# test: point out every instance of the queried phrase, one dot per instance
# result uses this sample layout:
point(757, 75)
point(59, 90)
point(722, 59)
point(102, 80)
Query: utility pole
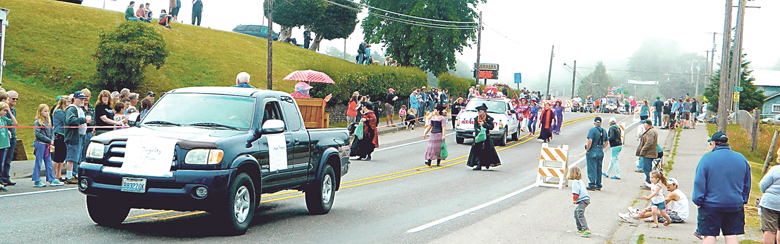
point(270, 38)
point(712, 59)
point(549, 72)
point(345, 49)
point(707, 70)
point(736, 55)
point(3, 24)
point(724, 101)
point(479, 46)
point(573, 78)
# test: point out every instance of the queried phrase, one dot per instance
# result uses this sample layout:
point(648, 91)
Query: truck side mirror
point(271, 126)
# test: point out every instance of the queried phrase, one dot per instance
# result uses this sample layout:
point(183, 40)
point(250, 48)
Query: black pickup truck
point(215, 149)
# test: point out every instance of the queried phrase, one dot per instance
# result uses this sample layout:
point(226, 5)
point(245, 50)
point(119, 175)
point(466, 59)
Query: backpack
point(614, 130)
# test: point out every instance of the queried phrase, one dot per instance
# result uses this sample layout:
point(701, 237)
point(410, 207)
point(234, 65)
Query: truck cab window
point(272, 111)
point(291, 111)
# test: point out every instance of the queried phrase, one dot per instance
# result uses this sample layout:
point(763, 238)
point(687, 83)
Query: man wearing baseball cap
point(77, 121)
point(647, 150)
point(720, 189)
point(597, 141)
point(390, 107)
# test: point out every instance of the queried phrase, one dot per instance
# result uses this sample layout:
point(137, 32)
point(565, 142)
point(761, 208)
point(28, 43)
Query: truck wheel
point(106, 212)
point(459, 140)
point(237, 213)
point(502, 141)
point(320, 195)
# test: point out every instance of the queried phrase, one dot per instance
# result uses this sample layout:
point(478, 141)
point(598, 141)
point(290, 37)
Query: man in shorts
point(676, 207)
point(720, 190)
point(77, 121)
point(390, 107)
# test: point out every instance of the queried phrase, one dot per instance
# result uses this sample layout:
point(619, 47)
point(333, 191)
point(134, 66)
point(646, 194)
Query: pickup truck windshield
point(218, 111)
point(497, 107)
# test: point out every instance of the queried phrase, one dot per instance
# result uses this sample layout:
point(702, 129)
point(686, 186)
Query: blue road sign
point(518, 78)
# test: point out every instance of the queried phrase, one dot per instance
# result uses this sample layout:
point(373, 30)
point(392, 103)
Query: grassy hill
point(46, 36)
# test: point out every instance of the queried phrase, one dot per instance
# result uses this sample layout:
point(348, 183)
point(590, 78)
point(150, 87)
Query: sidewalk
point(532, 220)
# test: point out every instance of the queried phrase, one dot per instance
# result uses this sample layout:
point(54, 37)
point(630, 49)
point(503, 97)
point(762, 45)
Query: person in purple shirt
point(558, 112)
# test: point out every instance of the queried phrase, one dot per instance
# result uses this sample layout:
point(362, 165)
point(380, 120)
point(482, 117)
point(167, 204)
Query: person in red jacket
point(370, 139)
point(352, 107)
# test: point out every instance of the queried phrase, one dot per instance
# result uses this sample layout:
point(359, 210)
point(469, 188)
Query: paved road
point(380, 201)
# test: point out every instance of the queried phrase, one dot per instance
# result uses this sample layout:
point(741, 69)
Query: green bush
point(370, 80)
point(124, 53)
point(458, 87)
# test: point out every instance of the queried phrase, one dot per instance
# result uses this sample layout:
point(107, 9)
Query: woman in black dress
point(483, 154)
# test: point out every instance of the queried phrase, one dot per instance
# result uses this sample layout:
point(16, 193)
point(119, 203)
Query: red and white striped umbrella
point(309, 76)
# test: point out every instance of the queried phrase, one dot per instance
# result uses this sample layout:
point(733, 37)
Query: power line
point(496, 31)
point(406, 21)
point(414, 17)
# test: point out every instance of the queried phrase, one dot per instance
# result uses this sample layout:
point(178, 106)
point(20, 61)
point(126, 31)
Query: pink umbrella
point(309, 76)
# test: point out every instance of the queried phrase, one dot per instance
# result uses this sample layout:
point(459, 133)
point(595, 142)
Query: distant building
point(768, 81)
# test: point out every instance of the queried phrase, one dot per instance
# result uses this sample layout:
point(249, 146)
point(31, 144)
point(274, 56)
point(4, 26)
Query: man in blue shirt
point(659, 107)
point(720, 190)
point(242, 80)
point(597, 141)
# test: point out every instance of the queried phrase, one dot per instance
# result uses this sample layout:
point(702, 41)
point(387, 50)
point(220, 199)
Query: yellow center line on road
point(151, 214)
point(370, 180)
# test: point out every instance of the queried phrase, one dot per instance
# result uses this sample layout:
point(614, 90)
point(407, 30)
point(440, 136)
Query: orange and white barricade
point(567, 105)
point(553, 166)
point(622, 126)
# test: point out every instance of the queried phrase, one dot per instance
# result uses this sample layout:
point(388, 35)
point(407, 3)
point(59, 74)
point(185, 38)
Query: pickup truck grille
point(116, 153)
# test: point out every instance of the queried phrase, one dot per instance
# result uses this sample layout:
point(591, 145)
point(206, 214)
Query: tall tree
point(749, 98)
point(597, 83)
point(337, 21)
point(294, 13)
point(430, 49)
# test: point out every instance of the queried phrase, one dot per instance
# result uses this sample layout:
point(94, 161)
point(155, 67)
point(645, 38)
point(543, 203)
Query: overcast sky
point(588, 31)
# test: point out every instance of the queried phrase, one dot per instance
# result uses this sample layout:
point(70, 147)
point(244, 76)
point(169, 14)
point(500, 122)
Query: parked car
point(775, 120)
point(215, 149)
point(255, 30)
point(504, 119)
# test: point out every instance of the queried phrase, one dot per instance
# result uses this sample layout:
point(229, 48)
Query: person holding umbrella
point(483, 153)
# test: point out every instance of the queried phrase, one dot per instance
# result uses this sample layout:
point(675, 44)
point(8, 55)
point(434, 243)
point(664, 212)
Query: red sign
point(488, 74)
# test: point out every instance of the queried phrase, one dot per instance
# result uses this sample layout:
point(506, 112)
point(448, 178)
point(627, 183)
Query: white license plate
point(137, 185)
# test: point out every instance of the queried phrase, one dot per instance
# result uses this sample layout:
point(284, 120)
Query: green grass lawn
point(46, 37)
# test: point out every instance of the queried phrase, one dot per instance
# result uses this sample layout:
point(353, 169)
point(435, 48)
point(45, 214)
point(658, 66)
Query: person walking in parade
point(533, 115)
point(546, 121)
point(580, 198)
point(483, 153)
point(523, 110)
point(456, 107)
point(647, 150)
point(597, 141)
point(370, 139)
point(616, 143)
point(437, 130)
point(558, 112)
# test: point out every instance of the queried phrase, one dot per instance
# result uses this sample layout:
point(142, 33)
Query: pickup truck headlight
point(95, 150)
point(204, 156)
